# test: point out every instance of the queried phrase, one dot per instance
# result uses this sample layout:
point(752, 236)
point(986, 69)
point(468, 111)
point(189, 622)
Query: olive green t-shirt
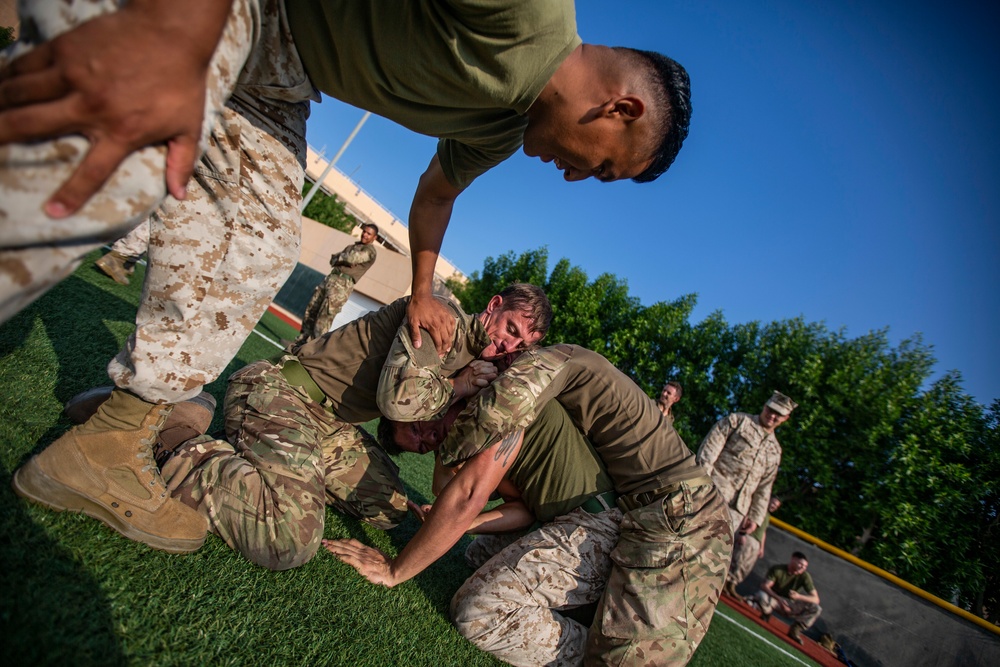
point(464, 71)
point(556, 469)
point(785, 582)
point(641, 450)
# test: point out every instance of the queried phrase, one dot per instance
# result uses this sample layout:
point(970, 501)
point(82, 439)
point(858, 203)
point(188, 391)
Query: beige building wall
point(367, 209)
point(8, 15)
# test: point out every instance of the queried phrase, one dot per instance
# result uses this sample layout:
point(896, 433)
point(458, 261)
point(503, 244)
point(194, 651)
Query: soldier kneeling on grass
point(789, 591)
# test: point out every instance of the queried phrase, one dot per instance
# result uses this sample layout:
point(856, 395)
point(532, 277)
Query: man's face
point(773, 505)
point(771, 420)
point(587, 144)
point(419, 437)
point(509, 330)
point(668, 395)
point(367, 235)
point(797, 565)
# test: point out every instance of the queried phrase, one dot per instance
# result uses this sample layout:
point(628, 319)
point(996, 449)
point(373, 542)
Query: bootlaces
point(146, 451)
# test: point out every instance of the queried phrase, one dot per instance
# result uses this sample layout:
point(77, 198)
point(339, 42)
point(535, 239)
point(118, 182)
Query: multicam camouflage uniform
point(671, 560)
point(743, 460)
point(332, 293)
point(291, 445)
point(217, 258)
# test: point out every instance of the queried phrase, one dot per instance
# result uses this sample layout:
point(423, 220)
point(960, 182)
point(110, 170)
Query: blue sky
point(842, 165)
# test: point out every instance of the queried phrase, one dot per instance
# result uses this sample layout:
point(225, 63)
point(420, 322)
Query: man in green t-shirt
point(485, 77)
point(789, 591)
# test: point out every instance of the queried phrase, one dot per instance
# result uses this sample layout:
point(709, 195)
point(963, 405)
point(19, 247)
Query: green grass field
point(75, 592)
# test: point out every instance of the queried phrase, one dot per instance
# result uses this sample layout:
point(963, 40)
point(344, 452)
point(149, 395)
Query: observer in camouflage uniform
point(292, 445)
point(349, 265)
point(217, 258)
point(743, 459)
point(671, 560)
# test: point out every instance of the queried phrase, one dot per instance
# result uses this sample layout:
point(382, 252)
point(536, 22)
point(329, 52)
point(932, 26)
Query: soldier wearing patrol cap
point(742, 455)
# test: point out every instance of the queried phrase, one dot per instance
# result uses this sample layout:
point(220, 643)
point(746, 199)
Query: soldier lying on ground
point(292, 444)
point(673, 554)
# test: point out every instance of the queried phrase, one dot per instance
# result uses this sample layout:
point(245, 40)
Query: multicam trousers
point(216, 259)
point(511, 606)
point(324, 306)
point(264, 488)
point(667, 575)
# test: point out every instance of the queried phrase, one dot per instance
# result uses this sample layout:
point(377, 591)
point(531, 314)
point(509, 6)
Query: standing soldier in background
point(330, 295)
point(119, 262)
point(670, 394)
point(742, 455)
point(748, 548)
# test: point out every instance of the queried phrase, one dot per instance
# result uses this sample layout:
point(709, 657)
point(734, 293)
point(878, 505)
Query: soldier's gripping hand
point(125, 80)
point(475, 376)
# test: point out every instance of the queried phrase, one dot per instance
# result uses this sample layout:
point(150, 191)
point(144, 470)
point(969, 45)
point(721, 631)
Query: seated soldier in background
point(780, 593)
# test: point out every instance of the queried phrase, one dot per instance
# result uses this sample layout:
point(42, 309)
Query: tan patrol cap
point(781, 403)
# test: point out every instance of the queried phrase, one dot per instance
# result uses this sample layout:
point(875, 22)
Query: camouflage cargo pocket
point(647, 591)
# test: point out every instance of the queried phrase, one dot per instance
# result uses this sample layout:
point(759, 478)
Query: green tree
point(6, 36)
point(328, 210)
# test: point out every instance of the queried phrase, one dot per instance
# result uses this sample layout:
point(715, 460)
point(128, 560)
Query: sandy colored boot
point(105, 469)
point(112, 264)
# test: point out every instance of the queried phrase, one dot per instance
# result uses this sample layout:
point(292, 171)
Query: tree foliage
point(877, 460)
point(329, 210)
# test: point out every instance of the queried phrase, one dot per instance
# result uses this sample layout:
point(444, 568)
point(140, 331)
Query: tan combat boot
point(105, 469)
point(112, 264)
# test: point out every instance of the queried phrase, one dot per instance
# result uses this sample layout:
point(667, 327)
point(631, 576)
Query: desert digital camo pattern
point(512, 606)
point(216, 259)
point(334, 290)
point(669, 568)
point(414, 384)
point(264, 489)
point(743, 460)
point(745, 556)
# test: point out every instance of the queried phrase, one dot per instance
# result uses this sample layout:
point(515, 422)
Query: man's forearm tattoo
point(507, 446)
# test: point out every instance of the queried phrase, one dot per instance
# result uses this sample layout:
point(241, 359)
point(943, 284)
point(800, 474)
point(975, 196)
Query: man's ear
point(495, 304)
point(627, 107)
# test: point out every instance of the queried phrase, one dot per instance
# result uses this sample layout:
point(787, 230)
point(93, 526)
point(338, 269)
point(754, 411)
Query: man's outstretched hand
point(371, 563)
point(428, 313)
point(125, 80)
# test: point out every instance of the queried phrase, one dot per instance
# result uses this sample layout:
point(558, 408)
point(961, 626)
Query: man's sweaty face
point(509, 331)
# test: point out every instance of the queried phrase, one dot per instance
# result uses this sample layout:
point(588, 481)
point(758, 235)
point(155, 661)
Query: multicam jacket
point(743, 460)
point(354, 260)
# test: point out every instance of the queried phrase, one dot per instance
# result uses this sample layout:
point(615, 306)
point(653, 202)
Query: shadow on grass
point(52, 610)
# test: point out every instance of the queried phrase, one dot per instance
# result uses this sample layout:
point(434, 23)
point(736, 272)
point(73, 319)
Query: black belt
point(600, 503)
point(298, 376)
point(637, 500)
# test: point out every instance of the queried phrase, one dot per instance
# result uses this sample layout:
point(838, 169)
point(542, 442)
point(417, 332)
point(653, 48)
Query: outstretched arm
point(450, 517)
point(125, 80)
point(430, 213)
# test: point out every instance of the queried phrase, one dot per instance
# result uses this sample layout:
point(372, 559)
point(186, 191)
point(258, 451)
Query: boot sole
point(33, 484)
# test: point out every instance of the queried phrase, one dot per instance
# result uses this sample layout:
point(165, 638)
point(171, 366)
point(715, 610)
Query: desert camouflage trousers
point(805, 613)
point(744, 558)
point(264, 489)
point(667, 574)
point(511, 607)
point(133, 245)
point(324, 306)
point(216, 259)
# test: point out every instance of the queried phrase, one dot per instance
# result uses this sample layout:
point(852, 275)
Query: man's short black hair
point(387, 437)
point(670, 87)
point(370, 225)
point(799, 554)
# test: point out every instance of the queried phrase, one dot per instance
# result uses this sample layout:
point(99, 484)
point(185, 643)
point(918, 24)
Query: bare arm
point(106, 80)
point(451, 516)
point(804, 597)
point(504, 518)
point(430, 213)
